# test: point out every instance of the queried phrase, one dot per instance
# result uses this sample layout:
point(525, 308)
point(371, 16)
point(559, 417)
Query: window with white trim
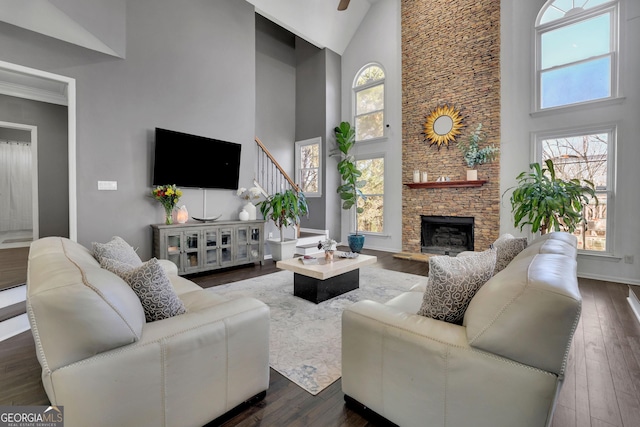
point(369, 103)
point(308, 166)
point(372, 219)
point(587, 154)
point(576, 52)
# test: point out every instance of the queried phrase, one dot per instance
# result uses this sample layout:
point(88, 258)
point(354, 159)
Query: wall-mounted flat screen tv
point(195, 161)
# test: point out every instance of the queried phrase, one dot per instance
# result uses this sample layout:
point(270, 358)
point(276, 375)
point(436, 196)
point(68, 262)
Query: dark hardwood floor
point(13, 267)
point(601, 389)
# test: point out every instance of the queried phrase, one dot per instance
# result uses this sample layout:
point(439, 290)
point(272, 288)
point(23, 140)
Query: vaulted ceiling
point(317, 21)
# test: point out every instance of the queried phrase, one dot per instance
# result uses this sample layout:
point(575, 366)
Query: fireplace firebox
point(446, 235)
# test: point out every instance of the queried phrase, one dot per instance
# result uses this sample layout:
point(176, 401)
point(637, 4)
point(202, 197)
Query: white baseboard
point(623, 280)
point(635, 304)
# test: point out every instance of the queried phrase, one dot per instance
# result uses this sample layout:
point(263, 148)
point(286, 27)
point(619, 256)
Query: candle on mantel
point(416, 176)
point(424, 177)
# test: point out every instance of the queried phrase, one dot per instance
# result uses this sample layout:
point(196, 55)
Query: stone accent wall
point(450, 55)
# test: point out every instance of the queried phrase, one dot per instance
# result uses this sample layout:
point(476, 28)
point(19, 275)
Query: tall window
point(587, 155)
point(368, 88)
point(308, 163)
point(372, 219)
point(577, 44)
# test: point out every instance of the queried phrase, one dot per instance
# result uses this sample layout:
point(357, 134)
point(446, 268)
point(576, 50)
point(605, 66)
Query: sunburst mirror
point(442, 126)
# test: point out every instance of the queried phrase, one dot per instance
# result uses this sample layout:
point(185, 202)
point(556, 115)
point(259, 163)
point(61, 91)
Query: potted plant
point(328, 246)
point(547, 202)
point(350, 189)
point(284, 209)
point(474, 155)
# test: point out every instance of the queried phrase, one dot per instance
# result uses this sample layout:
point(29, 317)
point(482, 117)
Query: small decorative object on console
point(252, 193)
point(182, 215)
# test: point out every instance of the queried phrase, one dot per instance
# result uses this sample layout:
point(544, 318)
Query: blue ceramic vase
point(356, 242)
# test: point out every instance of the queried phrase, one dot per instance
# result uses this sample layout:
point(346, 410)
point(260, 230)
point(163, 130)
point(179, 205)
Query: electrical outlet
point(628, 259)
point(270, 235)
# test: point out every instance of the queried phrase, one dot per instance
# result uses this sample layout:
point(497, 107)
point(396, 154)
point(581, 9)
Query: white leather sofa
point(108, 367)
point(503, 367)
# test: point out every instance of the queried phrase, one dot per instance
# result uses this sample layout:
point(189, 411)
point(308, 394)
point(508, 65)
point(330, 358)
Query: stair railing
point(270, 177)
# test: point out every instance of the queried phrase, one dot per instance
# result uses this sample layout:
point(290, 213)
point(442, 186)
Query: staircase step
point(13, 310)
point(308, 249)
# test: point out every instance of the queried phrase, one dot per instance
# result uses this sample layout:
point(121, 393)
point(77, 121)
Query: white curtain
point(16, 209)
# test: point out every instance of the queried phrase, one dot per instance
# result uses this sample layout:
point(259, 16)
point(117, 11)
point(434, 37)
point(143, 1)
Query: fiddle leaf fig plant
point(350, 189)
point(547, 202)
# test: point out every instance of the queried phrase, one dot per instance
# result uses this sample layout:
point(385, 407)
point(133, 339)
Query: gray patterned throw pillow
point(453, 282)
point(152, 286)
point(116, 249)
point(507, 247)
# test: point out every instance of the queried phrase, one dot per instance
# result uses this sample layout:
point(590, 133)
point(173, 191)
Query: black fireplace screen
point(446, 235)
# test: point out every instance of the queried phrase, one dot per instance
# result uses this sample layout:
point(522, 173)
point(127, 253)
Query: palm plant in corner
point(549, 203)
point(350, 189)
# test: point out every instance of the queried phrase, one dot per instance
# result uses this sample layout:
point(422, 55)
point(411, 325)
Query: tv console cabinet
point(204, 246)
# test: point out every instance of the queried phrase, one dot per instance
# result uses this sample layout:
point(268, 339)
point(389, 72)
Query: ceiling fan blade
point(343, 4)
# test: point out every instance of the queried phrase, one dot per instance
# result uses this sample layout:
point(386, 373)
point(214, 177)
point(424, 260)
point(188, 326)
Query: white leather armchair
point(108, 367)
point(502, 367)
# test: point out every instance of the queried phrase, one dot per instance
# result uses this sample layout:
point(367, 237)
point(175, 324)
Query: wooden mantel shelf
point(447, 184)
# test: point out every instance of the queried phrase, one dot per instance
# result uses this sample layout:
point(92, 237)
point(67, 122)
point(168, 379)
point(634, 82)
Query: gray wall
point(276, 91)
point(333, 115)
point(190, 67)
point(310, 114)
point(378, 40)
point(297, 98)
point(53, 182)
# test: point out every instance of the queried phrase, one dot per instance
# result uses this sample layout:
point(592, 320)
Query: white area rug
point(306, 341)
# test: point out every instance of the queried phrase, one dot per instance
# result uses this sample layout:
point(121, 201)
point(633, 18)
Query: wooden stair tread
point(13, 310)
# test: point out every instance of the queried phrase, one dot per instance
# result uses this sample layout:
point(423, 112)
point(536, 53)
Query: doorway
point(19, 221)
point(29, 83)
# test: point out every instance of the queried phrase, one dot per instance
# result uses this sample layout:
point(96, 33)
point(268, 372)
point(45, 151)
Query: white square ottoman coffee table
point(326, 279)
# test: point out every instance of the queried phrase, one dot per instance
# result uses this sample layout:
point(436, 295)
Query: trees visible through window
point(577, 47)
point(308, 163)
point(586, 156)
point(372, 219)
point(369, 103)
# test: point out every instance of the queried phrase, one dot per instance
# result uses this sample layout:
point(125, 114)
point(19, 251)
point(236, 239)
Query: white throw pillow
point(453, 282)
point(116, 249)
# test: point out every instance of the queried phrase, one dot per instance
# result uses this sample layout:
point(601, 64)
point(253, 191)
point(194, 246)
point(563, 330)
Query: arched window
point(576, 48)
point(368, 88)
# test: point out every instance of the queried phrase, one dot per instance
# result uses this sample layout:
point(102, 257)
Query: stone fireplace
point(467, 77)
point(446, 235)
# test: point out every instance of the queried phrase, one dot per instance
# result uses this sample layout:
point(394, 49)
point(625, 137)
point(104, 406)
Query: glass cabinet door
point(254, 244)
point(191, 250)
point(242, 249)
point(211, 251)
point(174, 248)
point(226, 246)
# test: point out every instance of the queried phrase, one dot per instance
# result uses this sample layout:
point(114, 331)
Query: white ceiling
point(317, 21)
point(43, 17)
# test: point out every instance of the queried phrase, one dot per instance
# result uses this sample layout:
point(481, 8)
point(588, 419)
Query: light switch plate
point(108, 185)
